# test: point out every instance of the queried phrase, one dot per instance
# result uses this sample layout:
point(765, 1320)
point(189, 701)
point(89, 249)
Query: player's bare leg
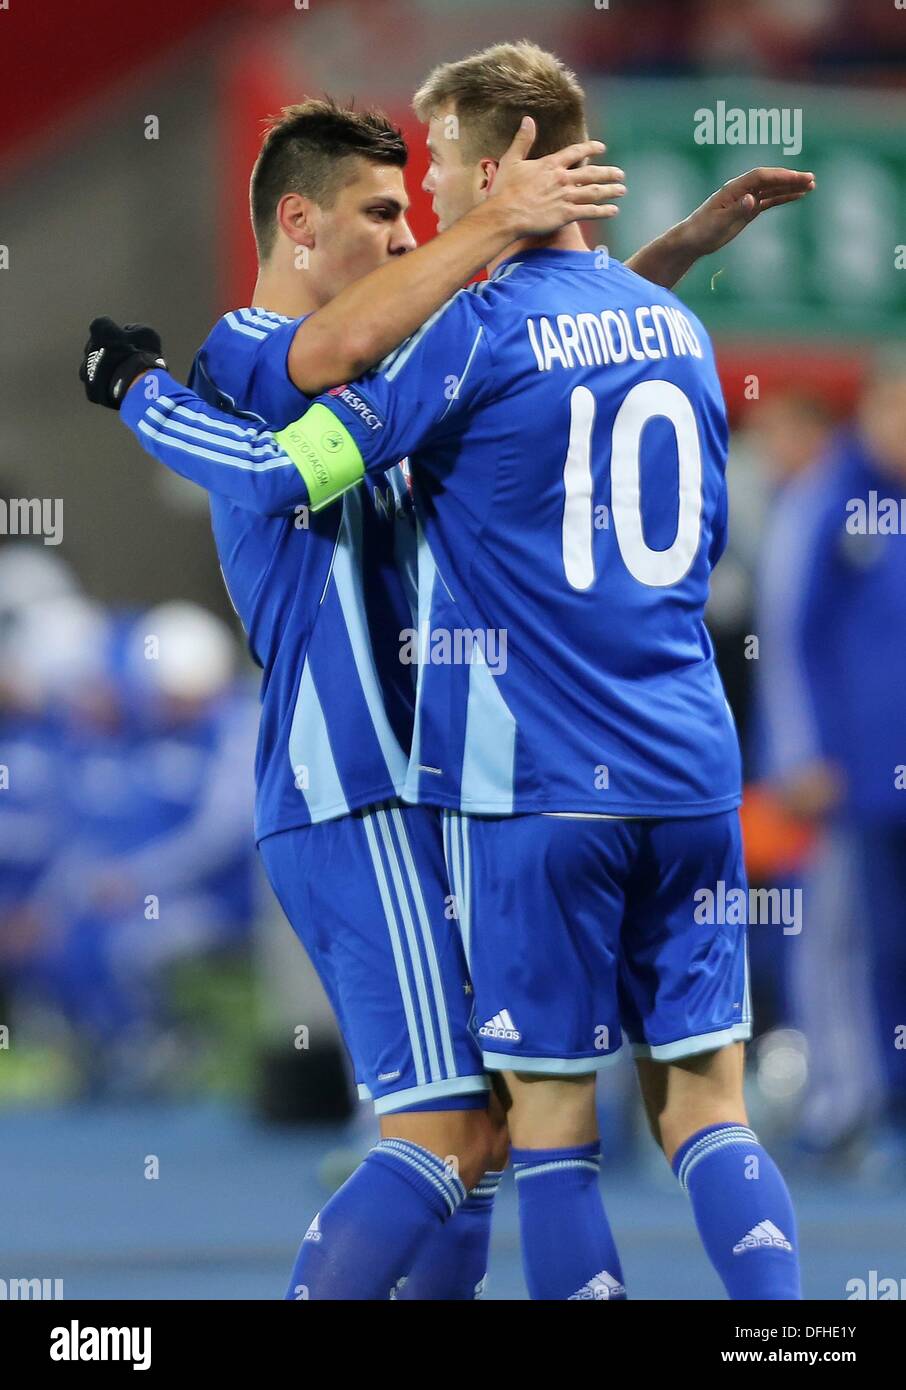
point(568, 1251)
point(697, 1114)
point(427, 1190)
point(550, 1112)
point(692, 1093)
point(478, 1139)
point(500, 1128)
point(464, 1139)
point(453, 1262)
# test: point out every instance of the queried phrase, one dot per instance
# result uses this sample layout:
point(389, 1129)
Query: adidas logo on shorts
point(763, 1236)
point(603, 1286)
point(501, 1026)
point(314, 1230)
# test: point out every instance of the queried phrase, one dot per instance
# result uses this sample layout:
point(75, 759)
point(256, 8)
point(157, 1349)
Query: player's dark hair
point(308, 149)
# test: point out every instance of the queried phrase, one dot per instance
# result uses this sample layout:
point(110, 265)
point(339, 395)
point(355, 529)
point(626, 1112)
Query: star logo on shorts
point(467, 988)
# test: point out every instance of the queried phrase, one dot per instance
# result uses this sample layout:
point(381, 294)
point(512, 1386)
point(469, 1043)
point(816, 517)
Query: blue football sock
point(743, 1212)
point(368, 1235)
point(568, 1251)
point(453, 1263)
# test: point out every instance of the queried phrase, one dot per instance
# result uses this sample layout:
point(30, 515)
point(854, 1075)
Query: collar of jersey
point(546, 255)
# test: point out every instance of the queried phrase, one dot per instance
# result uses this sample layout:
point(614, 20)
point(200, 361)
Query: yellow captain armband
point(324, 452)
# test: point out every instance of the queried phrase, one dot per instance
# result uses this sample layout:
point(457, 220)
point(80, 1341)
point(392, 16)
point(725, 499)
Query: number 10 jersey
point(567, 439)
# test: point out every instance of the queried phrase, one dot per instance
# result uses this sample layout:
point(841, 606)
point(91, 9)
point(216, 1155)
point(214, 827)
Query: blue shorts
point(578, 930)
point(367, 895)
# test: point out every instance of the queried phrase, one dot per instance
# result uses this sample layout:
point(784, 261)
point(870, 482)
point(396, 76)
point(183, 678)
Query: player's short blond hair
point(494, 89)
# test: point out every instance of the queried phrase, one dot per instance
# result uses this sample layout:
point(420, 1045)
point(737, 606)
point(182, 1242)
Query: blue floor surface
point(232, 1199)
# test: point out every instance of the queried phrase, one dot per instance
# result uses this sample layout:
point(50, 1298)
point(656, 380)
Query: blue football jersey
point(567, 438)
point(322, 597)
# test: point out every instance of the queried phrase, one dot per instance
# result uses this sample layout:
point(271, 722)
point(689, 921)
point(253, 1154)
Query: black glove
point(114, 357)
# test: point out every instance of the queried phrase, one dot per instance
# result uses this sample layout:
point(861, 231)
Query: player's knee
point(552, 1112)
point(693, 1093)
point(677, 1129)
point(678, 1123)
point(463, 1139)
point(674, 1131)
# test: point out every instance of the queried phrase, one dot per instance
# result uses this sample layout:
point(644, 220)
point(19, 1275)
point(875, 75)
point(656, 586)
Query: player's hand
point(543, 195)
point(728, 211)
point(114, 357)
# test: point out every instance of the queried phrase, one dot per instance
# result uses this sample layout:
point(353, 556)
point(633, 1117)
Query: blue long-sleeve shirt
point(323, 597)
point(568, 443)
point(832, 629)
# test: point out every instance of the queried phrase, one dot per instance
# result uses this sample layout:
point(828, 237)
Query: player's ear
point(486, 173)
point(296, 219)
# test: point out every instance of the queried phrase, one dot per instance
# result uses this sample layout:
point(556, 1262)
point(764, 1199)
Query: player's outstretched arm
point(124, 368)
point(720, 218)
point(530, 197)
point(225, 454)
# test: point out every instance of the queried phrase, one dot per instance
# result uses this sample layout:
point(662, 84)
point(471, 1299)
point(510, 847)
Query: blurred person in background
point(779, 437)
point(832, 626)
point(149, 859)
point(200, 725)
point(187, 886)
point(30, 576)
point(53, 650)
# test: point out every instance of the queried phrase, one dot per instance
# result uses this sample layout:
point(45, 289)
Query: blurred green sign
point(833, 264)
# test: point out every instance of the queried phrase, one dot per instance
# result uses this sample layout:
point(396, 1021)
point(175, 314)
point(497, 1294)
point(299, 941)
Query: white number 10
point(657, 568)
